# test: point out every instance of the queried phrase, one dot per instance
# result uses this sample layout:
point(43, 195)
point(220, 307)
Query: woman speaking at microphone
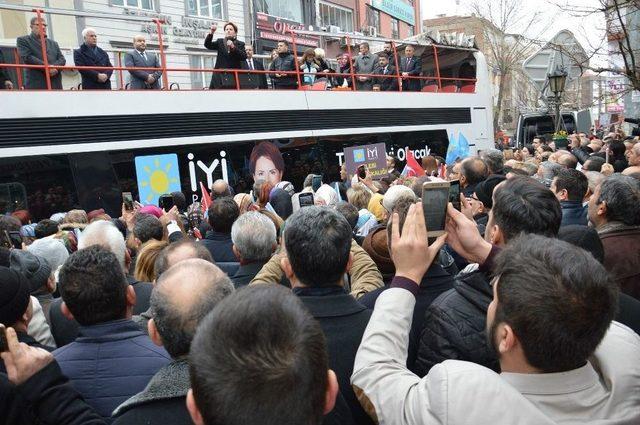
point(231, 53)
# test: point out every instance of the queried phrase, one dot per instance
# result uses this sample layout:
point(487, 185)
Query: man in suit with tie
point(89, 54)
point(252, 81)
point(140, 58)
point(410, 66)
point(384, 68)
point(30, 51)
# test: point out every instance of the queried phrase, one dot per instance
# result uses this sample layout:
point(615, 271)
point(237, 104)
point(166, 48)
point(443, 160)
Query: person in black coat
point(5, 81)
point(317, 279)
point(30, 51)
point(384, 68)
point(89, 54)
point(231, 53)
point(252, 81)
point(285, 61)
point(410, 66)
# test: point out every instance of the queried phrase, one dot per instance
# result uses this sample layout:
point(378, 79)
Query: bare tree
point(622, 41)
point(510, 33)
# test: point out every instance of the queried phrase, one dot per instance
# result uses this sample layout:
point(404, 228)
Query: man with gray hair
point(614, 211)
point(105, 234)
point(178, 305)
point(30, 51)
point(494, 160)
point(89, 54)
point(547, 171)
point(254, 241)
point(595, 178)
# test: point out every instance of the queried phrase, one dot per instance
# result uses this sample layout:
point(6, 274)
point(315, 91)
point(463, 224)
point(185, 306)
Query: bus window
point(13, 196)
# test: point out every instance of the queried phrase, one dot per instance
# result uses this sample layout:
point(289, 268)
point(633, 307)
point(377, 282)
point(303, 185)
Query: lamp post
point(557, 80)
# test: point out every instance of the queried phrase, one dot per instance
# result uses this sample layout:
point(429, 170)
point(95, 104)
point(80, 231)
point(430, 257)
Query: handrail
point(47, 67)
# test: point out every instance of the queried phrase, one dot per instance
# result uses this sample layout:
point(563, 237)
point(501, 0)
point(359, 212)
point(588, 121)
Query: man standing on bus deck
point(90, 54)
point(140, 58)
point(30, 51)
point(410, 66)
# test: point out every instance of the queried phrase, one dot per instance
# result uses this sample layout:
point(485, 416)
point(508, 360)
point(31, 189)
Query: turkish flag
point(415, 169)
point(206, 199)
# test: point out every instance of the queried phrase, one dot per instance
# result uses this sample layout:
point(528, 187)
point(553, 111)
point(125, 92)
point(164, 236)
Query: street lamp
point(557, 80)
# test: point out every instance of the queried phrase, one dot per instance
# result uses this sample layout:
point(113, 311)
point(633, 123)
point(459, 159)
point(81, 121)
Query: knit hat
point(376, 246)
point(35, 269)
point(375, 206)
point(484, 189)
point(14, 295)
point(584, 237)
point(52, 250)
point(394, 193)
point(28, 230)
point(151, 210)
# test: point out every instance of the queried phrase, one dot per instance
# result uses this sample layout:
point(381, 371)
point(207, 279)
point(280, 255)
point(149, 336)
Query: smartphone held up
point(435, 198)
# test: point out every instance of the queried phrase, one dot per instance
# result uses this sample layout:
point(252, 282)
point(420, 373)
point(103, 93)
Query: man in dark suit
point(5, 81)
point(384, 68)
point(30, 51)
point(90, 54)
point(231, 53)
point(140, 58)
point(410, 66)
point(318, 243)
point(252, 81)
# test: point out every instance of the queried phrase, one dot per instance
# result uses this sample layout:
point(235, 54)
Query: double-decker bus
point(66, 148)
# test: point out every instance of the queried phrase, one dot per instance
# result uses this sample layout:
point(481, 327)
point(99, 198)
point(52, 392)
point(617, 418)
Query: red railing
point(434, 83)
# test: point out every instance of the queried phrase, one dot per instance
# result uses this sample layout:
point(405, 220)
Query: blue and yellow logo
point(358, 155)
point(157, 175)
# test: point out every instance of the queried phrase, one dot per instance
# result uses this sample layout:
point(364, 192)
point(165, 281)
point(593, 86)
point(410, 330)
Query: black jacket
point(253, 81)
point(386, 83)
point(343, 321)
point(226, 59)
point(65, 331)
point(435, 282)
point(163, 401)
point(246, 273)
point(414, 68)
point(284, 62)
point(573, 212)
point(4, 75)
point(85, 56)
point(220, 246)
point(45, 398)
point(454, 326)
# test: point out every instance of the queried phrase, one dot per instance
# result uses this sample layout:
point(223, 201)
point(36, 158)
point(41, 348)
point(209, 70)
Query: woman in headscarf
point(376, 208)
point(244, 202)
point(280, 200)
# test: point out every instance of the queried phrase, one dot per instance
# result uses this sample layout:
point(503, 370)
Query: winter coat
point(110, 362)
point(454, 325)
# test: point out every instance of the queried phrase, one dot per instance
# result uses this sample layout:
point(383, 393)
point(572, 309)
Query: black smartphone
point(306, 200)
point(454, 194)
point(316, 183)
point(435, 197)
point(362, 171)
point(127, 200)
point(166, 202)
point(12, 239)
point(4, 344)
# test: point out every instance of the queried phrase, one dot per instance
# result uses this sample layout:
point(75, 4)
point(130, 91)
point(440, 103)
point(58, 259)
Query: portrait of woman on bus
point(266, 163)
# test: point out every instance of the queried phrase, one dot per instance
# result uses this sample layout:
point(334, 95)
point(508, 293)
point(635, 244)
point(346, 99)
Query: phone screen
point(454, 194)
point(362, 172)
point(127, 200)
point(306, 200)
point(435, 197)
point(166, 202)
point(316, 183)
point(12, 239)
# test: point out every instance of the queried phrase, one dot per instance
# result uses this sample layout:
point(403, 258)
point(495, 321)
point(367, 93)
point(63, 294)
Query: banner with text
point(374, 157)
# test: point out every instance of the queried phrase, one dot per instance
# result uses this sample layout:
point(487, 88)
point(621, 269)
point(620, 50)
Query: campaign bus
point(61, 149)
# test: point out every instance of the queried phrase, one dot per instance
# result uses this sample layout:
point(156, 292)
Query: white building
point(187, 23)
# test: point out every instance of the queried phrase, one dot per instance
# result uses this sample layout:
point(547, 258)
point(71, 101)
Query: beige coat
point(365, 276)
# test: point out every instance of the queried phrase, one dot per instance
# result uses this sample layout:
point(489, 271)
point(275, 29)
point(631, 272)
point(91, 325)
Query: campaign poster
point(374, 157)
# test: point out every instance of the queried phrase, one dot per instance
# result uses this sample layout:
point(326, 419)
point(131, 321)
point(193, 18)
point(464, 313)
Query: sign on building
point(396, 8)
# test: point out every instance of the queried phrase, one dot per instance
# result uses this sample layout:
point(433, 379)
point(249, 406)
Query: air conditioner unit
point(371, 31)
point(334, 29)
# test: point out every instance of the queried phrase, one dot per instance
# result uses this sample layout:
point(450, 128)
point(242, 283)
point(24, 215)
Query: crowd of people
point(261, 310)
point(384, 71)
